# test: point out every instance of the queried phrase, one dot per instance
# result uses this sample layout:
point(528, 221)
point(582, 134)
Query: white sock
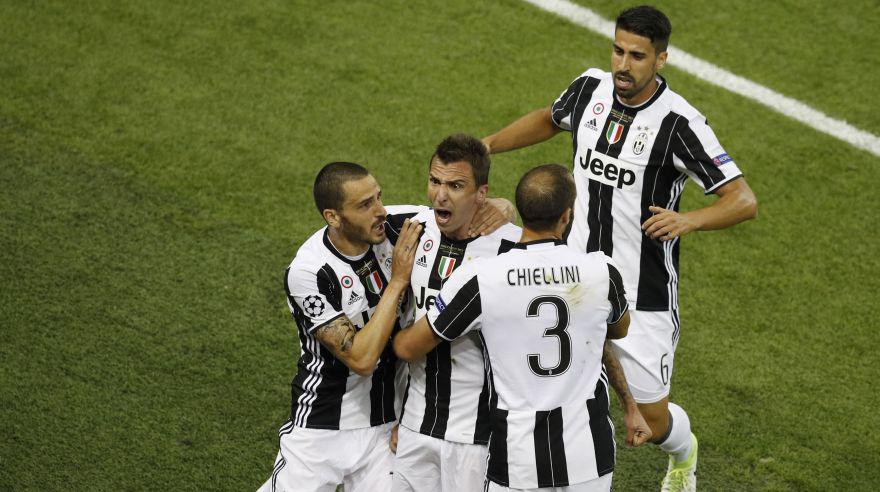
point(678, 438)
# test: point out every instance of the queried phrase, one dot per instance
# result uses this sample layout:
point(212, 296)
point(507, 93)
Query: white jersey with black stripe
point(448, 395)
point(542, 311)
point(322, 285)
point(627, 159)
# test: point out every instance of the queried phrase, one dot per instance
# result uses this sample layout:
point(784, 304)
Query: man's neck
point(344, 245)
point(529, 236)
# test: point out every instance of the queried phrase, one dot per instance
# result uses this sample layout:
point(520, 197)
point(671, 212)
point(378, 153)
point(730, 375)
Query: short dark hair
point(646, 21)
point(329, 181)
point(542, 196)
point(462, 147)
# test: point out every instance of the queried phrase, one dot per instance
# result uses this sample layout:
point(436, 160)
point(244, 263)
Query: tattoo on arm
point(615, 375)
point(338, 335)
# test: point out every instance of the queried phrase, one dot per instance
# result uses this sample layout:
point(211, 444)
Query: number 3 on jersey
point(557, 330)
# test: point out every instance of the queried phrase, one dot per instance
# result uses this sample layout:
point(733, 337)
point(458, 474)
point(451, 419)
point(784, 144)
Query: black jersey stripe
point(394, 224)
point(601, 430)
point(652, 294)
point(616, 295)
point(550, 460)
point(580, 106)
point(689, 149)
point(487, 401)
point(438, 366)
point(497, 469)
point(460, 311)
point(438, 391)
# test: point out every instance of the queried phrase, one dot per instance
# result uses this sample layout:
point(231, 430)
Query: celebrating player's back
point(544, 311)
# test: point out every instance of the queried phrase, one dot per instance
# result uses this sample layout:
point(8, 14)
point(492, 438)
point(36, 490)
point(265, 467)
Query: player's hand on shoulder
point(494, 213)
point(666, 225)
point(405, 251)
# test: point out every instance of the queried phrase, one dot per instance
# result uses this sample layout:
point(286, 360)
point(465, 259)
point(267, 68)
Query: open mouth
point(443, 216)
point(623, 82)
point(379, 228)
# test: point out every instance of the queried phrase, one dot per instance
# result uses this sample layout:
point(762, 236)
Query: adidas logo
point(354, 298)
point(592, 125)
point(422, 262)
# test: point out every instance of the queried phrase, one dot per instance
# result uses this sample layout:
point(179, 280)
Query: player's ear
point(331, 217)
point(661, 60)
point(565, 220)
point(482, 193)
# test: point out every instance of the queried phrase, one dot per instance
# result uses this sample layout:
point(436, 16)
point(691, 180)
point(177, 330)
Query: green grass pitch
point(156, 161)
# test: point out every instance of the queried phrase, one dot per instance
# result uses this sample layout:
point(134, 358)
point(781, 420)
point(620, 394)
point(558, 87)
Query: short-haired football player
point(445, 425)
point(343, 289)
point(543, 311)
point(636, 142)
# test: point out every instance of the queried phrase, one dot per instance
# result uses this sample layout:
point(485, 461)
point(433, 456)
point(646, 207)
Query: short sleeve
point(698, 153)
point(314, 296)
point(457, 309)
point(563, 107)
point(616, 294)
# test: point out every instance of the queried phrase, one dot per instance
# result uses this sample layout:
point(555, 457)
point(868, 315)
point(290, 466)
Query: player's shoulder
point(679, 105)
point(596, 73)
point(311, 251)
point(508, 232)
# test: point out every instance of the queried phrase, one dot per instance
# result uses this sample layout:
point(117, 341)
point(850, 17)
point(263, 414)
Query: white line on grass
point(716, 75)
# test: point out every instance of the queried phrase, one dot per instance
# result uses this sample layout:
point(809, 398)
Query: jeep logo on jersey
point(447, 264)
point(374, 283)
point(605, 169)
point(425, 301)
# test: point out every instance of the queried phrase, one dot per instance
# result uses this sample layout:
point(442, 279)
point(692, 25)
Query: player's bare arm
point(736, 203)
point(494, 213)
point(360, 350)
point(531, 129)
point(414, 342)
point(637, 430)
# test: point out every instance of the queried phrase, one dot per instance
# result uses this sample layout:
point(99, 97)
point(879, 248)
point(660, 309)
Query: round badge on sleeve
point(314, 306)
point(347, 282)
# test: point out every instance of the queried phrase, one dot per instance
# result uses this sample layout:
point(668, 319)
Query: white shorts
point(601, 484)
point(647, 352)
point(427, 464)
point(320, 460)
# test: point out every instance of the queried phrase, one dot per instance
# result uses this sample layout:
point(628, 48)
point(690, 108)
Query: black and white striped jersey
point(542, 311)
point(627, 159)
point(449, 394)
point(322, 285)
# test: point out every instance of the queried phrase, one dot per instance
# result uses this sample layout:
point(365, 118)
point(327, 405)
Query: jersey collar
point(329, 245)
point(539, 244)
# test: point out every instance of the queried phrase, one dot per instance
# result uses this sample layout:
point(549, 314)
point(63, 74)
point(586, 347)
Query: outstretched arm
point(360, 350)
point(736, 203)
point(637, 430)
point(532, 128)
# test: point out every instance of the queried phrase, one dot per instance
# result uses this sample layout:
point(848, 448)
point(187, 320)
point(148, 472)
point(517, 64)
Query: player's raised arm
point(360, 350)
point(531, 129)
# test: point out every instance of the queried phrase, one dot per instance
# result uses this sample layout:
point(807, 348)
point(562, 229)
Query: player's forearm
point(617, 379)
point(369, 342)
point(532, 128)
point(731, 208)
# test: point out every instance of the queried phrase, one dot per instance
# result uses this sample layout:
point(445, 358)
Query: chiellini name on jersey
point(525, 277)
